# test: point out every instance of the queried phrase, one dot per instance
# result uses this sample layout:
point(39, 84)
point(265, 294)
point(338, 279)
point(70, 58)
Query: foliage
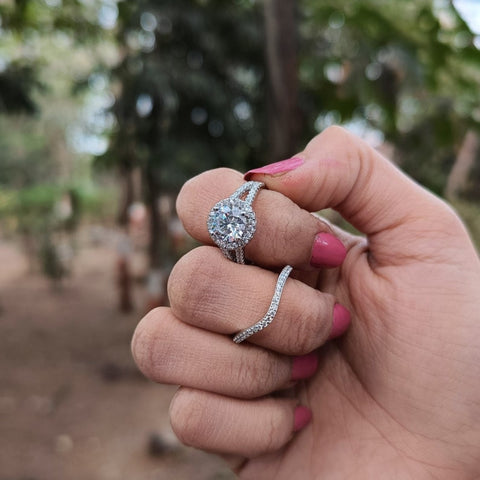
point(185, 89)
point(470, 213)
point(23, 24)
point(188, 88)
point(44, 45)
point(27, 158)
point(192, 82)
point(394, 66)
point(16, 84)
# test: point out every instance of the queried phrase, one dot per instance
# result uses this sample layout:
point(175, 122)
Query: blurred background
point(107, 107)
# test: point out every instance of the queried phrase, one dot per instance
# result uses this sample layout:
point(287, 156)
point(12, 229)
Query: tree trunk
point(458, 178)
point(159, 243)
point(124, 273)
point(158, 228)
point(128, 193)
point(281, 51)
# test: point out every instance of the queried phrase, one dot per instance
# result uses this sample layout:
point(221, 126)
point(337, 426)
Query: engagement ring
point(232, 222)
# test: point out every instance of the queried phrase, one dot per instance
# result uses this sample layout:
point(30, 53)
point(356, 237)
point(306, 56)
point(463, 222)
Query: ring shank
point(237, 255)
point(272, 310)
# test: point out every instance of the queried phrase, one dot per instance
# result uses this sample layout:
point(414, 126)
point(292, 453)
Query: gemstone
point(231, 223)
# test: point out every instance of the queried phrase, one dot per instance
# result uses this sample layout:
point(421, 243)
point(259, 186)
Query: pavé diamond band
point(272, 310)
point(232, 222)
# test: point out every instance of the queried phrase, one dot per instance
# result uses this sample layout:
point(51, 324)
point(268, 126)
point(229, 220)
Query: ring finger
point(169, 351)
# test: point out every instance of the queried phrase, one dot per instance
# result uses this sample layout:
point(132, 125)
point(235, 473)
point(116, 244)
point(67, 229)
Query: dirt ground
point(72, 405)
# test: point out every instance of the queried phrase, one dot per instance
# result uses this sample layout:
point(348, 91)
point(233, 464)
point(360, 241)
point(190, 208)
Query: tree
point(284, 115)
point(36, 165)
point(464, 164)
point(195, 76)
point(411, 71)
point(187, 97)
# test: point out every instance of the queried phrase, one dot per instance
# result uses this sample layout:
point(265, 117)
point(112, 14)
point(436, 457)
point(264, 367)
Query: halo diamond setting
point(232, 222)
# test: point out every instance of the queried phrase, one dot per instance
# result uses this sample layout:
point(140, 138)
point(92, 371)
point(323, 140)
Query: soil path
point(72, 405)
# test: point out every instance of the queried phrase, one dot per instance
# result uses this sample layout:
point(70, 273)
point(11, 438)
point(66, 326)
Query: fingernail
point(277, 168)
point(341, 321)
point(304, 366)
point(328, 251)
point(302, 417)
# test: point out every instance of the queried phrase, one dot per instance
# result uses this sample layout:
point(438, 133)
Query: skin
point(397, 396)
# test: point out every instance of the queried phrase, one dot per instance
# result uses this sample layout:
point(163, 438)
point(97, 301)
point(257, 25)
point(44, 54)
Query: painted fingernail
point(277, 168)
point(327, 251)
point(341, 321)
point(302, 417)
point(304, 366)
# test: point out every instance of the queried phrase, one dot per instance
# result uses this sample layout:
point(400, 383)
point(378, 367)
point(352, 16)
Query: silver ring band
point(232, 223)
point(272, 310)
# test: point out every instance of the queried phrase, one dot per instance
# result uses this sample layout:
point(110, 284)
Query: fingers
point(169, 351)
point(236, 427)
point(339, 170)
point(285, 233)
point(208, 291)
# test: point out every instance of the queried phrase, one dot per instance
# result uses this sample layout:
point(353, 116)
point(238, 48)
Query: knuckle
point(256, 376)
point(190, 418)
point(247, 373)
point(144, 347)
point(180, 280)
point(285, 233)
point(155, 346)
point(303, 338)
point(312, 324)
point(190, 289)
point(449, 218)
point(277, 228)
point(335, 131)
point(273, 441)
point(347, 143)
point(336, 135)
point(187, 199)
point(184, 204)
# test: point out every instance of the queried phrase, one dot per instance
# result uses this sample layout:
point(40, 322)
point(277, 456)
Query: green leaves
point(204, 61)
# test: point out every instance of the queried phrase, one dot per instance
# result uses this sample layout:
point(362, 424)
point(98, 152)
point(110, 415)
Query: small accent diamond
point(272, 310)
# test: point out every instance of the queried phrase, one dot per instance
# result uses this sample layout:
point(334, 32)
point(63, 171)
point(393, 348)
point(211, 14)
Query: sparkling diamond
point(231, 223)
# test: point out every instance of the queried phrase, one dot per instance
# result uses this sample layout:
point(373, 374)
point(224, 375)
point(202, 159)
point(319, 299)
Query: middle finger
point(208, 291)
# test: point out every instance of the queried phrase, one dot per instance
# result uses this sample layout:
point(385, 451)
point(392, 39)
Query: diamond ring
point(272, 310)
point(232, 222)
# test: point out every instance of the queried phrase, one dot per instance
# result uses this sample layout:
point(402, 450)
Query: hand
point(398, 396)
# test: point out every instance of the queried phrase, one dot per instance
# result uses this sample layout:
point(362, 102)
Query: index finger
point(285, 233)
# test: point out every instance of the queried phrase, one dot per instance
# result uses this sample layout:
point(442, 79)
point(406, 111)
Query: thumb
point(340, 171)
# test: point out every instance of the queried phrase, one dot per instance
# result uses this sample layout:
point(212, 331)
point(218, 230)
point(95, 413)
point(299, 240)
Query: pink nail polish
point(328, 251)
point(302, 417)
point(304, 366)
point(341, 321)
point(277, 168)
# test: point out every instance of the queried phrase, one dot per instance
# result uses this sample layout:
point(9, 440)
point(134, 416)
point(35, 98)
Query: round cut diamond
point(231, 223)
